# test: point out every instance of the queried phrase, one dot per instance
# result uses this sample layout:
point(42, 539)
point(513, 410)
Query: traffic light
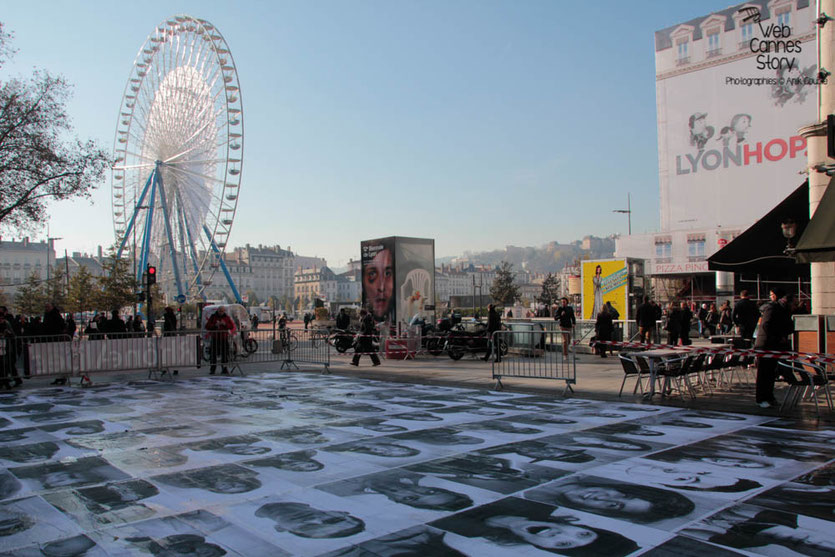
point(152, 275)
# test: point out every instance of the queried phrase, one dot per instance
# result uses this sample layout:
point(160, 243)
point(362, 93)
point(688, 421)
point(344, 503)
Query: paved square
point(302, 464)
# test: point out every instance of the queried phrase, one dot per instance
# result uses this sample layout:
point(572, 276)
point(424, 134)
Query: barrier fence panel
point(46, 355)
point(116, 352)
point(309, 346)
point(180, 350)
point(533, 355)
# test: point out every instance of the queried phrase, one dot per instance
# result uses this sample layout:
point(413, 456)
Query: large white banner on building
point(729, 148)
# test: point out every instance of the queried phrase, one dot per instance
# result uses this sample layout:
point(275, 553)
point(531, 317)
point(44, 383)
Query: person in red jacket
point(221, 329)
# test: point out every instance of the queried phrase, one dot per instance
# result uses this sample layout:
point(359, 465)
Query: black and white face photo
point(402, 487)
point(227, 479)
point(810, 500)
point(632, 502)
point(496, 474)
point(685, 478)
point(105, 505)
point(418, 540)
point(380, 448)
point(297, 436)
point(80, 472)
point(27, 454)
point(548, 453)
point(440, 437)
point(240, 445)
point(764, 531)
point(87, 427)
point(522, 527)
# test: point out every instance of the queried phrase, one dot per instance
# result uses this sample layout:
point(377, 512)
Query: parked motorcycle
point(342, 339)
point(430, 340)
point(460, 341)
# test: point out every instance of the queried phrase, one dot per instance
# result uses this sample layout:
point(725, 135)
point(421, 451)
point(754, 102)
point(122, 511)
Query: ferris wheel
point(178, 156)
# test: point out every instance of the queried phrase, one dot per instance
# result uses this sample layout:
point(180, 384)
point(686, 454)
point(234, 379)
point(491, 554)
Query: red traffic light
point(152, 270)
point(152, 274)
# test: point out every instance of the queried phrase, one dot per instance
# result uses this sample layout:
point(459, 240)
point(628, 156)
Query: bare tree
point(37, 162)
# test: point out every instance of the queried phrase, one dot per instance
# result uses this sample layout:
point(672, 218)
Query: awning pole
point(758, 288)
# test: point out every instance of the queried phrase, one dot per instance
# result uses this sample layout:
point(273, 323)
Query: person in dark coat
point(221, 329)
point(8, 356)
point(646, 316)
point(673, 324)
point(169, 327)
point(604, 328)
point(685, 320)
point(53, 323)
point(494, 323)
point(116, 328)
point(365, 342)
point(745, 315)
point(71, 327)
point(567, 320)
point(776, 326)
point(169, 323)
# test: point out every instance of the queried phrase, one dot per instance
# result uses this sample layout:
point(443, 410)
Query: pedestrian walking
point(775, 328)
point(494, 323)
point(567, 320)
point(365, 343)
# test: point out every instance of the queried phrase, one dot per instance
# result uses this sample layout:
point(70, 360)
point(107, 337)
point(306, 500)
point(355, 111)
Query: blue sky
point(478, 123)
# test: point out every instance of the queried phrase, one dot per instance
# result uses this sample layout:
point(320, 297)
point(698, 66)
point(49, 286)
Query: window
point(682, 49)
point(784, 17)
point(664, 248)
point(696, 248)
point(713, 48)
point(747, 34)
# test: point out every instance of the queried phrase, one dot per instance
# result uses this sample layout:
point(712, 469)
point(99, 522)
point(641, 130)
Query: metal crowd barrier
point(88, 354)
point(309, 346)
point(533, 354)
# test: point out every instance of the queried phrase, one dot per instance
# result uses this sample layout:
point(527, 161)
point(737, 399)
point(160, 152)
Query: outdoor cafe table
point(653, 358)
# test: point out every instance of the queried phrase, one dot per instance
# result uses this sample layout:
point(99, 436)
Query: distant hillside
point(550, 258)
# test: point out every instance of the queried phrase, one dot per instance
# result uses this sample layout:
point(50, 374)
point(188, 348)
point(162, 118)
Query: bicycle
point(288, 339)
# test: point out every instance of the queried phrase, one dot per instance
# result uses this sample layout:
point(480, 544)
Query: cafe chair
point(674, 371)
point(632, 368)
point(805, 379)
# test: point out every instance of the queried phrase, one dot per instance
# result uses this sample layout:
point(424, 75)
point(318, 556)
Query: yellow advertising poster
point(604, 281)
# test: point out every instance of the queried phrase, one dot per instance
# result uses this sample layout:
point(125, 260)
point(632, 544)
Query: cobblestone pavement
point(304, 464)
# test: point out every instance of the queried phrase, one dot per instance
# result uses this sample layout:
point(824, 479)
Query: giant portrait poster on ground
point(729, 113)
point(415, 279)
point(604, 280)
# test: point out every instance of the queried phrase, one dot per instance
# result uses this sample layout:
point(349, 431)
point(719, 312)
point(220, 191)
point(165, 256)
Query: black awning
point(761, 248)
point(817, 243)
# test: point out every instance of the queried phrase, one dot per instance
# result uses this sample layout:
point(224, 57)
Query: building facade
point(21, 260)
point(728, 114)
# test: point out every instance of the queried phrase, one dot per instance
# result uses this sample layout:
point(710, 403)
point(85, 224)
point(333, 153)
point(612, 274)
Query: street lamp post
point(49, 240)
point(627, 211)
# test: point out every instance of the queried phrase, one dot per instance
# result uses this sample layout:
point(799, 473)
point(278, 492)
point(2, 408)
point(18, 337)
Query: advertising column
point(415, 279)
point(377, 257)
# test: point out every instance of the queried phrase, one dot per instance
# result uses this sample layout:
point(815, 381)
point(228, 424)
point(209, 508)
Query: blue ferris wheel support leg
point(146, 236)
point(129, 229)
point(223, 266)
point(171, 251)
point(192, 253)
